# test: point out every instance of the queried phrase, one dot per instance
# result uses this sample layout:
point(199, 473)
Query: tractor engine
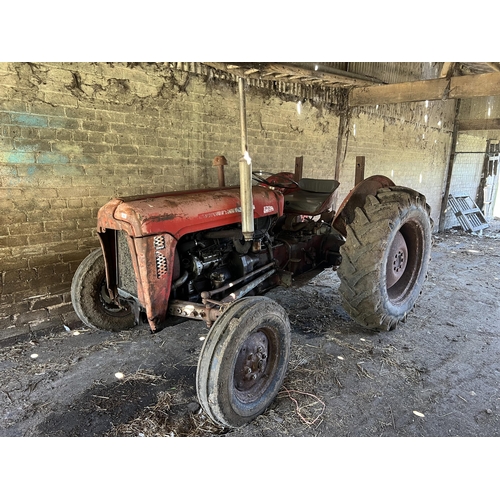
point(212, 259)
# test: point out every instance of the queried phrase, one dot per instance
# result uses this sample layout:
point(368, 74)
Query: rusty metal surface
point(184, 212)
point(220, 162)
point(244, 290)
point(154, 291)
point(192, 310)
point(356, 198)
point(251, 363)
point(153, 287)
point(154, 224)
point(396, 260)
point(207, 294)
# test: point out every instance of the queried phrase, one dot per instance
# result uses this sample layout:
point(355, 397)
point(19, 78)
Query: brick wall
point(409, 143)
point(74, 135)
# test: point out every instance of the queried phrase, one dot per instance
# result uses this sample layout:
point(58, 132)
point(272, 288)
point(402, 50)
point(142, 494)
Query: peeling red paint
point(186, 211)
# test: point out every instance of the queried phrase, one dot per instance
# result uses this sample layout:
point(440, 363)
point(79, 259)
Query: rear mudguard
point(356, 198)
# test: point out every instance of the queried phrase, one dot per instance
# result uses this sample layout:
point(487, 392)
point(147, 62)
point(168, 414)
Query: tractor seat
point(313, 197)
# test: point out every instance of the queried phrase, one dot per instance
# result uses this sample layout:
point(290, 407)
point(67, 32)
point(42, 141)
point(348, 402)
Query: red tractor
point(211, 255)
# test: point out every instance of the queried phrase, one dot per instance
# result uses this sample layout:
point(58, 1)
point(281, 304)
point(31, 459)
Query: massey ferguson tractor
point(211, 254)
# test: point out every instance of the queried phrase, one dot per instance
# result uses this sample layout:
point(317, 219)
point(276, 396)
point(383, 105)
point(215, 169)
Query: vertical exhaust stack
point(245, 165)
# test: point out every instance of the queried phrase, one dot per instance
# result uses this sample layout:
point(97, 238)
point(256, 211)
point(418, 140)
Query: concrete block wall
point(74, 135)
point(409, 143)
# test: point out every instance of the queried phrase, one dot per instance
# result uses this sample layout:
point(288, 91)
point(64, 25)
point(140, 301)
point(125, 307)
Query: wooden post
point(344, 116)
point(482, 181)
point(451, 161)
point(340, 142)
point(359, 175)
point(299, 162)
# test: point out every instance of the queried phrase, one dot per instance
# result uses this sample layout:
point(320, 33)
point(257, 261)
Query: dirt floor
point(438, 374)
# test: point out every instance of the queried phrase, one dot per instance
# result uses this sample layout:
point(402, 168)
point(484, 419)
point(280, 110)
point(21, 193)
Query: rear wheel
point(385, 257)
point(243, 362)
point(89, 295)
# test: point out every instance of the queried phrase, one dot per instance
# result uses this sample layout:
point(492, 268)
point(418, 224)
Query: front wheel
point(89, 295)
point(243, 362)
point(385, 257)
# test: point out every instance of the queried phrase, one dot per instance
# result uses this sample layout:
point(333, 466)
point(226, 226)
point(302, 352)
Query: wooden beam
point(494, 66)
point(299, 166)
point(398, 92)
point(457, 87)
point(465, 87)
point(273, 71)
point(481, 124)
point(447, 70)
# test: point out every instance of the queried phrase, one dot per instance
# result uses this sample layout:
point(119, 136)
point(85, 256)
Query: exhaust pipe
point(245, 165)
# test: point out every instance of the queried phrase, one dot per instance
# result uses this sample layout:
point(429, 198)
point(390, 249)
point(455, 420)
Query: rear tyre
point(90, 297)
point(385, 257)
point(243, 362)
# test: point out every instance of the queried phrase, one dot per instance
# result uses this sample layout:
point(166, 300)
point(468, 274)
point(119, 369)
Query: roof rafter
point(457, 87)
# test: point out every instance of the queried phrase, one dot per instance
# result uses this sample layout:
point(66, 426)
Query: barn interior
point(75, 135)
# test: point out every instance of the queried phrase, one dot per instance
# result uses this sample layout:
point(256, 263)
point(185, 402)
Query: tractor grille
point(161, 260)
point(126, 281)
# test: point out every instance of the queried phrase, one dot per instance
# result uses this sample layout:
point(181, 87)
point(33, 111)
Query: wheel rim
point(397, 260)
point(108, 306)
point(254, 366)
point(404, 262)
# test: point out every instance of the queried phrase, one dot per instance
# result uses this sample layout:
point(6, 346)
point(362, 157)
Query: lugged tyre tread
point(362, 254)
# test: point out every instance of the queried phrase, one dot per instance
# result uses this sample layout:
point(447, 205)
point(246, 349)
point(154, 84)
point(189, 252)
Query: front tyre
point(385, 257)
point(243, 361)
point(90, 298)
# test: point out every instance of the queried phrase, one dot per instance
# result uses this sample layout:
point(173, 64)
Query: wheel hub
point(251, 363)
point(397, 260)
